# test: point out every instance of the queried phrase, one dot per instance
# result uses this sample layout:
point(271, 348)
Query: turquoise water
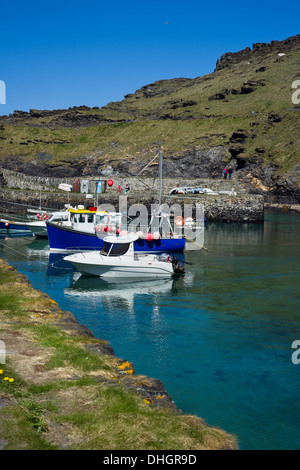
point(219, 339)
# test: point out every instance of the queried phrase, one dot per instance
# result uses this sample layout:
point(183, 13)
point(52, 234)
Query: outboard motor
point(178, 269)
point(164, 257)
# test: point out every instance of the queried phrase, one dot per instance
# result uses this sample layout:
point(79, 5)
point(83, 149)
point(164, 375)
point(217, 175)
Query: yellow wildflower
point(148, 401)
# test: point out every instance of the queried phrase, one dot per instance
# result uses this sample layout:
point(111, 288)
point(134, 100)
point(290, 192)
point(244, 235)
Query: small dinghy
point(118, 259)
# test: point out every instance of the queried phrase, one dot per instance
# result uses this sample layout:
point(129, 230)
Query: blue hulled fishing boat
point(9, 226)
point(86, 229)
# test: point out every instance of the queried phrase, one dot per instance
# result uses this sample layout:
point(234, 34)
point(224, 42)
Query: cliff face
point(241, 115)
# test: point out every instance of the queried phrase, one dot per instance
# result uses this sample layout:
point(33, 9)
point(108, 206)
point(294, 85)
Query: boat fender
point(6, 224)
point(179, 220)
point(189, 222)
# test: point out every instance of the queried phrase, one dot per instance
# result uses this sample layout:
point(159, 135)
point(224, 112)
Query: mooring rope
point(26, 256)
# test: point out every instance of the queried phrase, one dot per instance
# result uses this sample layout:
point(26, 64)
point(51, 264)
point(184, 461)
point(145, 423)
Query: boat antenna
point(160, 177)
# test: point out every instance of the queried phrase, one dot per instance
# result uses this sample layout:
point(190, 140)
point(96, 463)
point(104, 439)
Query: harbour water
point(219, 338)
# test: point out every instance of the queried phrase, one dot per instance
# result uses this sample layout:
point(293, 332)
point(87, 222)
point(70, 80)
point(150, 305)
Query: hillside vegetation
point(242, 114)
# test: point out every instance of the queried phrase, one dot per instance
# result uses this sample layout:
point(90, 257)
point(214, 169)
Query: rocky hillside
point(241, 114)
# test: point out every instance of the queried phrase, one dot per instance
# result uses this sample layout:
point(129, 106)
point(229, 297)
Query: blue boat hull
point(66, 239)
point(11, 226)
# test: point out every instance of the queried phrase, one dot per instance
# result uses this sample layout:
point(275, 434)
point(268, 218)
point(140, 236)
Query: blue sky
point(59, 54)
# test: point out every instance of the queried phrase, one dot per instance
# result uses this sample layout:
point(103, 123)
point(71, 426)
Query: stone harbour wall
point(244, 208)
point(13, 179)
point(19, 191)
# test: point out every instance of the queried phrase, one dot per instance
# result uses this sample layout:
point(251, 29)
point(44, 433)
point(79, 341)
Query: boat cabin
point(89, 220)
point(119, 245)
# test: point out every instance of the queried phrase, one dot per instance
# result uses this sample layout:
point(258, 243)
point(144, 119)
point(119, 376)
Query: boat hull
point(11, 226)
point(38, 229)
point(65, 239)
point(109, 270)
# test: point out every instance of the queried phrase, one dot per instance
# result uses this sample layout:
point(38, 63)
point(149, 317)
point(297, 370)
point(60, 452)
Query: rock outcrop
point(259, 49)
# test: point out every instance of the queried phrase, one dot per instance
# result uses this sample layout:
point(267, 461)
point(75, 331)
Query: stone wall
point(241, 208)
point(23, 191)
point(13, 179)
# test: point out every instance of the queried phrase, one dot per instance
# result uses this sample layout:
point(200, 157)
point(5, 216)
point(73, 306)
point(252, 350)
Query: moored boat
point(39, 227)
point(87, 228)
point(8, 226)
point(118, 259)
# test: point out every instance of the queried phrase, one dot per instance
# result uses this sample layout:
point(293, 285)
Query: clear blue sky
point(59, 54)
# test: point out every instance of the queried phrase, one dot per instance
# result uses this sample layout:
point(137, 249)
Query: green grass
point(65, 350)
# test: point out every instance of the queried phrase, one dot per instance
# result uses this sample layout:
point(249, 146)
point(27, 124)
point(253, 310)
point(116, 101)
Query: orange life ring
point(179, 220)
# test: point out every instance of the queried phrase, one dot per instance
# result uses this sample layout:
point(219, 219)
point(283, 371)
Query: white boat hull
point(109, 268)
point(38, 228)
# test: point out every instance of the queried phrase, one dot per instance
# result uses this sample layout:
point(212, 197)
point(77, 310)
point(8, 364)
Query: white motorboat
point(118, 259)
point(39, 227)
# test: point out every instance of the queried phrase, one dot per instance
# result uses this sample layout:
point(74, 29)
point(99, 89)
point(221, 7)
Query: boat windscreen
point(115, 249)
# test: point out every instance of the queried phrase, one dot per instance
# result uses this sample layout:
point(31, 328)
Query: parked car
point(198, 191)
point(182, 190)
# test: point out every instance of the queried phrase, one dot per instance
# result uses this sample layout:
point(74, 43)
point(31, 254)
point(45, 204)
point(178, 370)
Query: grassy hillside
point(251, 93)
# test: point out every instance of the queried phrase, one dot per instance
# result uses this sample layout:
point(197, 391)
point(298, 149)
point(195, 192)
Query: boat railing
point(81, 249)
point(166, 232)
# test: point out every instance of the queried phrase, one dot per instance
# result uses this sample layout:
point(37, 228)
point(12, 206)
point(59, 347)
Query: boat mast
point(160, 178)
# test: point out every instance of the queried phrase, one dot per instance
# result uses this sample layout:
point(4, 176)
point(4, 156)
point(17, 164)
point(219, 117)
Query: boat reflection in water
point(115, 293)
